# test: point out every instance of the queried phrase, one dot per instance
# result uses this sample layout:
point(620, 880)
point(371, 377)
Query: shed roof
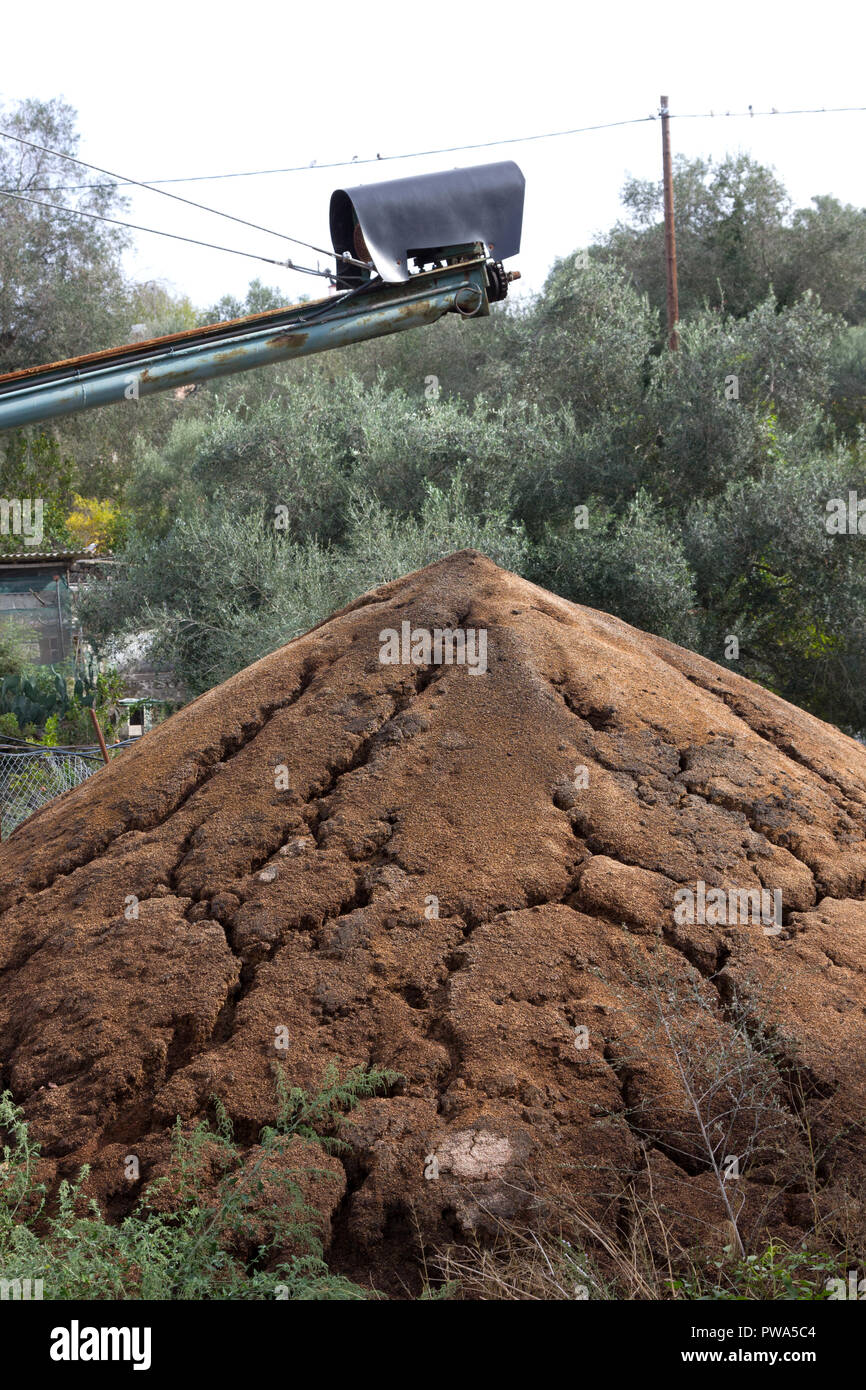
point(40, 557)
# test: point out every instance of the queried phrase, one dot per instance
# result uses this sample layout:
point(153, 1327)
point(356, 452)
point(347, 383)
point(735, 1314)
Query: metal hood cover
point(404, 216)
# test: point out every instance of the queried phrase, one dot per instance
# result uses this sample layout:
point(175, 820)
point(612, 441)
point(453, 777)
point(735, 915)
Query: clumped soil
point(269, 863)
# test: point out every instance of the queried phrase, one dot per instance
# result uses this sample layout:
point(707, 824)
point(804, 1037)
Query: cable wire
point(178, 198)
point(134, 226)
point(455, 149)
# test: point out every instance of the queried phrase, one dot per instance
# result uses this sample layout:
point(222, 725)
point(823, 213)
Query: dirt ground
point(468, 877)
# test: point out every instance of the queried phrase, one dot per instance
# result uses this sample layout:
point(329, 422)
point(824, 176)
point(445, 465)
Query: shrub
point(215, 1227)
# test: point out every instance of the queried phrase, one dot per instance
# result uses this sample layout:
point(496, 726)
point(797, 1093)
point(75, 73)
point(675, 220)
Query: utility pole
point(670, 234)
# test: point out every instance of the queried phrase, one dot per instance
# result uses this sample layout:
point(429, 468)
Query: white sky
point(185, 88)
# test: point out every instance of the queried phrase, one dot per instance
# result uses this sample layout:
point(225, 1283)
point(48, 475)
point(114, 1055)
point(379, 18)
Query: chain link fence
point(30, 777)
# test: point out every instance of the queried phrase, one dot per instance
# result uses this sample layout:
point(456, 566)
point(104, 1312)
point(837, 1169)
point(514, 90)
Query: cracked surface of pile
point(305, 900)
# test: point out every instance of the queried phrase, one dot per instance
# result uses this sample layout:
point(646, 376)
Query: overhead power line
point(347, 163)
point(314, 164)
point(792, 111)
point(133, 226)
point(177, 197)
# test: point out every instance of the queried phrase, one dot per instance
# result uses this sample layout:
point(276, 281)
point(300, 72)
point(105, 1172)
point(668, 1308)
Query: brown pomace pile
point(469, 878)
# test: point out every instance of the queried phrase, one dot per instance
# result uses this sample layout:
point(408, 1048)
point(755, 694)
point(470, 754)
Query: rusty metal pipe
point(143, 369)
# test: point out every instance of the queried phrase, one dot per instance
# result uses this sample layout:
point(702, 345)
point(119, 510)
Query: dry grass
point(568, 1254)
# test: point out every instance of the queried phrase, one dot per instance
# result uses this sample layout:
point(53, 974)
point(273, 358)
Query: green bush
point(217, 1227)
point(42, 698)
point(775, 1273)
point(13, 650)
point(9, 726)
point(633, 566)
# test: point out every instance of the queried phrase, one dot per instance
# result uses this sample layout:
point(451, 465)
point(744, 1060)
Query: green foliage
point(222, 1224)
point(60, 277)
point(825, 252)
point(774, 1274)
point(51, 731)
point(32, 466)
point(305, 1116)
point(738, 240)
point(93, 521)
point(13, 649)
point(382, 546)
point(767, 570)
point(33, 697)
point(259, 298)
point(461, 359)
point(778, 364)
point(691, 462)
point(848, 381)
point(91, 689)
point(585, 342)
point(152, 311)
point(9, 726)
point(316, 445)
point(63, 292)
point(633, 565)
point(44, 698)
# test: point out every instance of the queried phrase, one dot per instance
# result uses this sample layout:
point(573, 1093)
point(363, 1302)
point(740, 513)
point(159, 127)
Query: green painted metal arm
point(163, 364)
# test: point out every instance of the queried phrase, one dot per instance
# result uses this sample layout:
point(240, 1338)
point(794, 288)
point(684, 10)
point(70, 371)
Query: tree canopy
point(738, 239)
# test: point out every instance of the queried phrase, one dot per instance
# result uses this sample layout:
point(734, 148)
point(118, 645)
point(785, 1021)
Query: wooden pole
point(59, 617)
point(670, 233)
point(99, 734)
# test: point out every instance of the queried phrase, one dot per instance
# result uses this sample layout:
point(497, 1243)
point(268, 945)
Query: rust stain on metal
point(420, 307)
point(291, 340)
point(359, 245)
point(141, 349)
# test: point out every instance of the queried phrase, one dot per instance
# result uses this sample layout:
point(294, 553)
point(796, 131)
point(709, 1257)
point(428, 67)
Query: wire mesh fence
point(30, 777)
